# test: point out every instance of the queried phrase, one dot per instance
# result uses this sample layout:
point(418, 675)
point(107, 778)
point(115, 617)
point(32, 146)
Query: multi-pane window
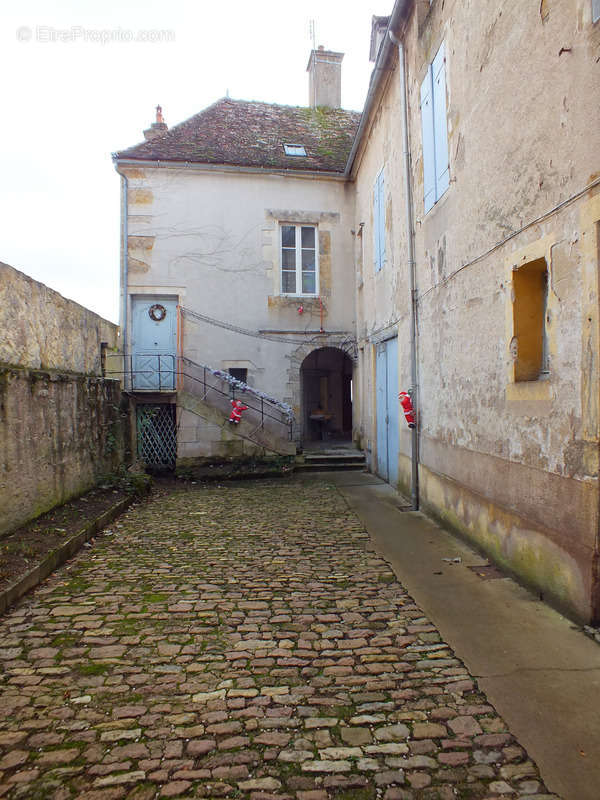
point(436, 173)
point(379, 221)
point(299, 260)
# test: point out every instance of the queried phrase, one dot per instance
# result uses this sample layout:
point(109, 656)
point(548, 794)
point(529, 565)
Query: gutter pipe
point(124, 268)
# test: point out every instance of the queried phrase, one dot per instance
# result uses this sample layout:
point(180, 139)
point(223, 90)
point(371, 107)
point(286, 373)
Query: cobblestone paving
point(242, 642)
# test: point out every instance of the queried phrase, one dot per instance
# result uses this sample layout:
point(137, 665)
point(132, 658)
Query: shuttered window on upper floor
point(379, 221)
point(436, 172)
point(595, 10)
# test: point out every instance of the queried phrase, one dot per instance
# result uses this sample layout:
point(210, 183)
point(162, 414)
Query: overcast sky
point(78, 85)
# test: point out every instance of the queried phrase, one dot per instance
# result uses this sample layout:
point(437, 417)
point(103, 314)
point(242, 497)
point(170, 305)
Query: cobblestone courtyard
point(242, 642)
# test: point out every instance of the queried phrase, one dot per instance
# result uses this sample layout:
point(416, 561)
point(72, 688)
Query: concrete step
point(328, 467)
point(325, 458)
point(322, 462)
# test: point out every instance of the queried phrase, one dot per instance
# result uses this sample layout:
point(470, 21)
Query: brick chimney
point(325, 78)
point(157, 128)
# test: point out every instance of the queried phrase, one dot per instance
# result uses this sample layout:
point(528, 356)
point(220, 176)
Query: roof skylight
point(294, 149)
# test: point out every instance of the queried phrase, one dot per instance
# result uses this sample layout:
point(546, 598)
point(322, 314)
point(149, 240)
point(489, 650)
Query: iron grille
point(157, 435)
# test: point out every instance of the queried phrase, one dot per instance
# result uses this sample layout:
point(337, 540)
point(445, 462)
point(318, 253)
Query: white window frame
point(298, 247)
point(379, 249)
point(434, 128)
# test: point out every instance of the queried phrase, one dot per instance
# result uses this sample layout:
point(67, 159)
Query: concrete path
point(541, 673)
point(244, 642)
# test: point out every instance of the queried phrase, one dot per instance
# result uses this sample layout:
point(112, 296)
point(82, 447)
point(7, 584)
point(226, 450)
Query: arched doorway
point(326, 391)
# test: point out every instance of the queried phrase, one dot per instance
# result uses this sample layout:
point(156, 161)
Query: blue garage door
point(386, 371)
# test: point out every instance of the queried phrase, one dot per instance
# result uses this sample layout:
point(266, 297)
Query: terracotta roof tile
point(251, 134)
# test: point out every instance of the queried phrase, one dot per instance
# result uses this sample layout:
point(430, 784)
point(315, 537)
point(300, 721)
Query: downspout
point(124, 275)
point(411, 269)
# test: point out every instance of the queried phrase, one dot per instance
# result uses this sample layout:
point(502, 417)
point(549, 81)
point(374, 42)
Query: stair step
point(325, 457)
point(329, 461)
point(331, 466)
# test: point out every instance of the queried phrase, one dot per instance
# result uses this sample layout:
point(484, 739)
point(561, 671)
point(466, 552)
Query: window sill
point(309, 302)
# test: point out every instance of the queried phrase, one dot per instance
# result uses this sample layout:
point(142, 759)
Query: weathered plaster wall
point(212, 239)
point(382, 297)
point(58, 434)
point(514, 466)
point(42, 329)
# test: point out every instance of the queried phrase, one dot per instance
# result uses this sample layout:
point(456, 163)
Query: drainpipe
point(124, 274)
point(411, 269)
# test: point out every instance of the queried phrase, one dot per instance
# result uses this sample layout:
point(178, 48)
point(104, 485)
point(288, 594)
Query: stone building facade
point(241, 218)
point(505, 207)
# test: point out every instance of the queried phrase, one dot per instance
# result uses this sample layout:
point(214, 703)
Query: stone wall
point(42, 329)
point(59, 434)
point(61, 425)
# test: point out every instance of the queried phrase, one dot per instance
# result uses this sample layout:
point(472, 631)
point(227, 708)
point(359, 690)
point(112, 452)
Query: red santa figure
point(236, 411)
point(408, 409)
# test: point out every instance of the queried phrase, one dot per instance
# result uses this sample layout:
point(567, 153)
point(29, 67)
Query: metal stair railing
point(169, 373)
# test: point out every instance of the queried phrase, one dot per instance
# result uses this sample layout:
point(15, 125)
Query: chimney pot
point(157, 128)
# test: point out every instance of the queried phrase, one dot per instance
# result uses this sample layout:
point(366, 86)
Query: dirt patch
point(26, 547)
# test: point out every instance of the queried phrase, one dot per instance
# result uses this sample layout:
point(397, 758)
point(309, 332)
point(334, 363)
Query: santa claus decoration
point(236, 411)
point(408, 409)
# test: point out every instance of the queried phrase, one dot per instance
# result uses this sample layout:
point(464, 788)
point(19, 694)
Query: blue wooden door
point(381, 411)
point(386, 380)
point(154, 343)
point(393, 431)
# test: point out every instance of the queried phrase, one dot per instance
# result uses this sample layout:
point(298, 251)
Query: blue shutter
point(442, 172)
point(428, 142)
point(595, 10)
point(382, 217)
point(376, 251)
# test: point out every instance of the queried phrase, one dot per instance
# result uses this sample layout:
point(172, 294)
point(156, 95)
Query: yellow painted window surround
point(530, 285)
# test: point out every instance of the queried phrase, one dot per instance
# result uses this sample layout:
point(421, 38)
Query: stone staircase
point(266, 425)
point(249, 429)
point(329, 460)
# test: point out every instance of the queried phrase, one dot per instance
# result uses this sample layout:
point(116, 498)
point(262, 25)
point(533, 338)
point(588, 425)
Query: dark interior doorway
point(326, 380)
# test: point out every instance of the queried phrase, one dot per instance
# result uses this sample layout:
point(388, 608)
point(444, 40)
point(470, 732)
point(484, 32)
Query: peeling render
point(511, 464)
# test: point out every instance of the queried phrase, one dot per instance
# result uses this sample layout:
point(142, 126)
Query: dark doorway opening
point(326, 381)
point(239, 373)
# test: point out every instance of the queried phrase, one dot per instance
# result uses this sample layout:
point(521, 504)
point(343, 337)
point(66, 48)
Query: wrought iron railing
point(153, 374)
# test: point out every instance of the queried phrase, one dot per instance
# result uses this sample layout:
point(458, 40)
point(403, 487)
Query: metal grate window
point(157, 435)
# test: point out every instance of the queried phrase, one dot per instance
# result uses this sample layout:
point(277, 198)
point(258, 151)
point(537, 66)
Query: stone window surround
point(322, 220)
